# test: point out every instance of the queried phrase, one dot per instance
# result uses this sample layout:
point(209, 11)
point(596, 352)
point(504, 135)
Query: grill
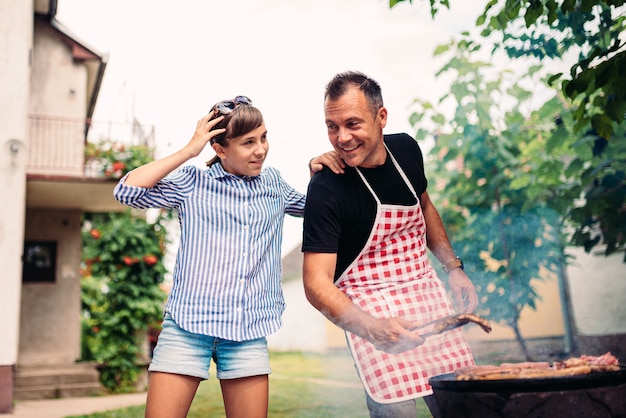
point(598, 394)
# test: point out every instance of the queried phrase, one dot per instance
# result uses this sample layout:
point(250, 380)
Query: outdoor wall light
point(14, 145)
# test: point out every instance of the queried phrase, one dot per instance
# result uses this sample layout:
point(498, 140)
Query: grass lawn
point(301, 385)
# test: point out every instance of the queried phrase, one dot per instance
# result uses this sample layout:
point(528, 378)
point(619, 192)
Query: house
point(50, 82)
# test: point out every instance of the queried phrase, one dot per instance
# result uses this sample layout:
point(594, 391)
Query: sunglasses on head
point(227, 106)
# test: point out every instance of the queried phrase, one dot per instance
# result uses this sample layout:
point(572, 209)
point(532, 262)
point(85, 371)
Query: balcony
point(59, 176)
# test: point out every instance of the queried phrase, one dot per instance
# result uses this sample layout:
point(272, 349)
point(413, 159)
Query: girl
point(226, 295)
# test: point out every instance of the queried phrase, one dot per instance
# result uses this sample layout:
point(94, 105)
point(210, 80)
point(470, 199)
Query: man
point(366, 234)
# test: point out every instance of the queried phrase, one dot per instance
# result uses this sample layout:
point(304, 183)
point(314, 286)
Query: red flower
point(150, 259)
point(118, 166)
point(90, 261)
point(129, 261)
point(95, 234)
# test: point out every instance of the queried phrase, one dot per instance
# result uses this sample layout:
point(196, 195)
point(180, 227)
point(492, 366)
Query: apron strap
point(400, 171)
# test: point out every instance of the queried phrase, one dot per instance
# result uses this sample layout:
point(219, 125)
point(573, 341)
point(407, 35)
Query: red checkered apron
point(392, 277)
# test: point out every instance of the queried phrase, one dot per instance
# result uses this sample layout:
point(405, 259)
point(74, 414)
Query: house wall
point(546, 321)
point(596, 288)
point(598, 293)
point(58, 81)
point(16, 30)
point(50, 326)
point(58, 91)
point(42, 6)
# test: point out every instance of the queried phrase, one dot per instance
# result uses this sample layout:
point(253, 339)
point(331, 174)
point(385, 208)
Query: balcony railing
point(56, 145)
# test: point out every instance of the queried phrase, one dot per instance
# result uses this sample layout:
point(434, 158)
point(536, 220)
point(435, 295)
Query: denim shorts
point(182, 352)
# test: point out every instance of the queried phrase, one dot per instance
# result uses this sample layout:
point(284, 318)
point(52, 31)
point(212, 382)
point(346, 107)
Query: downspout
point(568, 321)
point(96, 90)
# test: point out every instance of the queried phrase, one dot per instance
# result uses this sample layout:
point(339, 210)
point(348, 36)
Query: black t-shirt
point(340, 210)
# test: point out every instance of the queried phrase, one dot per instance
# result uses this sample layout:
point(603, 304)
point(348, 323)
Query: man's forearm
point(338, 308)
point(436, 236)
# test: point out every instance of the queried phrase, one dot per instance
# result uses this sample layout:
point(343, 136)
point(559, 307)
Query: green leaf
point(568, 5)
point(520, 183)
point(587, 5)
point(552, 8)
point(439, 119)
point(533, 11)
point(554, 78)
point(392, 3)
point(441, 48)
point(603, 125)
point(559, 137)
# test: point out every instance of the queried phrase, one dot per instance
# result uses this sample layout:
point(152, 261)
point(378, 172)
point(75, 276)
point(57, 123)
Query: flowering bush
point(122, 297)
point(114, 159)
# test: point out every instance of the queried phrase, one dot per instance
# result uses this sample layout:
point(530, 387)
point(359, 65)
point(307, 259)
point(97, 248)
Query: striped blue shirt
point(227, 276)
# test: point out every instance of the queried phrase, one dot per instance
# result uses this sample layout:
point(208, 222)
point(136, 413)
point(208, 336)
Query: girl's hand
point(329, 159)
point(203, 134)
point(150, 174)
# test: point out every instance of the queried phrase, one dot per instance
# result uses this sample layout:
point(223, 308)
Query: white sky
point(170, 61)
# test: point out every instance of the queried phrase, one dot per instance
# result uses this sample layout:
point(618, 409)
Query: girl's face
point(245, 154)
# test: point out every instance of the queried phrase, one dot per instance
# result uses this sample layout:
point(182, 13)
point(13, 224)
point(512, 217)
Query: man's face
point(245, 154)
point(355, 133)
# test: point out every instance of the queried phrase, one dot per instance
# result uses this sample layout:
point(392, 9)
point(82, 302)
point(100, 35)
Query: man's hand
point(463, 291)
point(393, 335)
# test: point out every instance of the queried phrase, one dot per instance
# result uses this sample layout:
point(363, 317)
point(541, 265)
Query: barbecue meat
point(458, 320)
point(571, 367)
point(604, 363)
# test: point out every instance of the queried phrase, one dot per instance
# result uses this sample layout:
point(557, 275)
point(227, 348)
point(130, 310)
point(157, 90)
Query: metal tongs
point(450, 322)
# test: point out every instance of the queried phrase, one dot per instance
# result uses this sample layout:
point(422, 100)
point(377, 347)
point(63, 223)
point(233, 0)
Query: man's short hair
point(340, 83)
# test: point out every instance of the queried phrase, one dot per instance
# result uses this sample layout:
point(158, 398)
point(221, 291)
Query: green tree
point(121, 293)
point(595, 94)
point(499, 196)
point(591, 29)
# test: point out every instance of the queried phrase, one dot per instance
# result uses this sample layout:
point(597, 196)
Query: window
point(40, 262)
